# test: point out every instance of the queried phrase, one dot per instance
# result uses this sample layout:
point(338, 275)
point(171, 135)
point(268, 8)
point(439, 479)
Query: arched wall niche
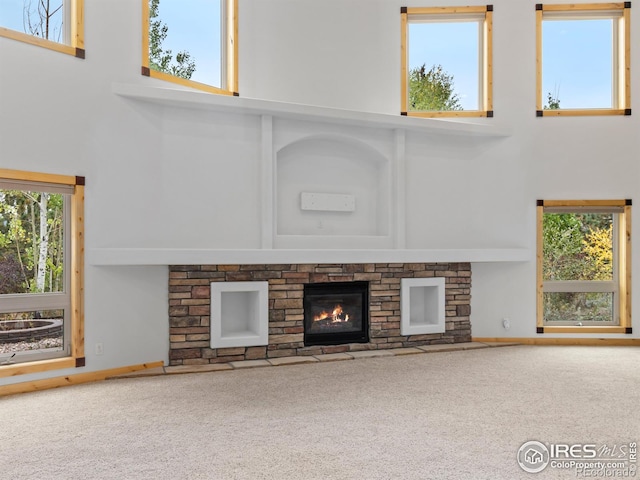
point(332, 168)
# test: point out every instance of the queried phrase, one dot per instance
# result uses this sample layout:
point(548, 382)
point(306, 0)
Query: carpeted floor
point(457, 415)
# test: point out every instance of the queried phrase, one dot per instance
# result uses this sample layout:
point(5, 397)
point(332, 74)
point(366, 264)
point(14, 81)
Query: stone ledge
point(406, 351)
point(442, 347)
point(211, 367)
point(500, 344)
point(250, 364)
point(327, 357)
point(333, 357)
point(372, 353)
point(292, 360)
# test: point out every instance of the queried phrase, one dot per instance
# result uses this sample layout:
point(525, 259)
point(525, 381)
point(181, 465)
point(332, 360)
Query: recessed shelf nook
point(422, 306)
point(239, 314)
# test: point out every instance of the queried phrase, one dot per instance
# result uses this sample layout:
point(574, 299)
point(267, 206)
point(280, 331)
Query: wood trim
point(487, 86)
point(445, 10)
point(77, 24)
point(626, 22)
point(232, 46)
point(539, 261)
point(45, 384)
point(625, 276)
point(584, 203)
point(586, 329)
point(16, 369)
point(624, 279)
point(449, 113)
point(486, 79)
point(187, 83)
point(404, 60)
point(76, 34)
point(590, 342)
point(40, 42)
point(539, 61)
point(145, 34)
point(583, 112)
point(623, 102)
point(37, 177)
point(77, 273)
point(577, 7)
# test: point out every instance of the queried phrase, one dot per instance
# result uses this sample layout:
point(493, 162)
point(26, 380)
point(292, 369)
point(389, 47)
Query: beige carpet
point(457, 415)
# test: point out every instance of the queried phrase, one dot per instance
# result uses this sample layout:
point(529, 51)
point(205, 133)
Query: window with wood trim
point(54, 24)
point(192, 43)
point(584, 266)
point(583, 59)
point(446, 61)
point(41, 272)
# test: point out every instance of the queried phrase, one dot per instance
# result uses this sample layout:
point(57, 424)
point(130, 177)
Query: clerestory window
point(583, 59)
point(192, 43)
point(446, 68)
point(584, 266)
point(54, 24)
point(41, 272)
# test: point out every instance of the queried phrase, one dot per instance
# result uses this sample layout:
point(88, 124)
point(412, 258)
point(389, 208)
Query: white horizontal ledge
point(197, 100)
point(169, 256)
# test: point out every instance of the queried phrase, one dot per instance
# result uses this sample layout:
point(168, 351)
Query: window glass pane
point(42, 19)
point(31, 332)
point(449, 53)
point(31, 242)
point(573, 308)
point(578, 65)
point(577, 246)
point(192, 45)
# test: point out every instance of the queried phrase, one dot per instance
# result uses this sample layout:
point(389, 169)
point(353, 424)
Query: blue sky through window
point(12, 16)
point(194, 26)
point(454, 45)
point(577, 62)
point(577, 54)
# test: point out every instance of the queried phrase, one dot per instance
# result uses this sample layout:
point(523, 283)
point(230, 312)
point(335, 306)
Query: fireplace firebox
point(336, 313)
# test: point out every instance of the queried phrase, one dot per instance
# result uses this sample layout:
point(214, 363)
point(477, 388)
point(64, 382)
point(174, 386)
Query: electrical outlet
point(506, 323)
point(99, 349)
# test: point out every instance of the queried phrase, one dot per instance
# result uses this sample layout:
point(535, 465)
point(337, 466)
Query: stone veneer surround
point(190, 302)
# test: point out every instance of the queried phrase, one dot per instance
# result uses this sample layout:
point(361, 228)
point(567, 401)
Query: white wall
point(162, 177)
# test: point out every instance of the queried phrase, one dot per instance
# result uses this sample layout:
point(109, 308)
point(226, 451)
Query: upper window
point(583, 54)
point(584, 271)
point(192, 43)
point(53, 24)
point(446, 61)
point(41, 243)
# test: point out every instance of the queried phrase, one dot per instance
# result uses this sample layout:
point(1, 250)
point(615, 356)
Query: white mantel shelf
point(169, 256)
point(192, 99)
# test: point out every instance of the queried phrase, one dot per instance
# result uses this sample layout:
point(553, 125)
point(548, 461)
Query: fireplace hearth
point(200, 312)
point(336, 313)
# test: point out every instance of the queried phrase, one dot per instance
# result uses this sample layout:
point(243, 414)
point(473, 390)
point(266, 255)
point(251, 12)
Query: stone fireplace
point(377, 314)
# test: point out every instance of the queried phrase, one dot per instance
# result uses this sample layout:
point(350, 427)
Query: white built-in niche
point(422, 302)
point(332, 191)
point(239, 314)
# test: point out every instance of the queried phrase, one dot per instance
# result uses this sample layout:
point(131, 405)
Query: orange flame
point(335, 315)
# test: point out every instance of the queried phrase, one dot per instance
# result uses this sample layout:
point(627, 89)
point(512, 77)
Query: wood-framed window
point(584, 266)
point(583, 54)
point(184, 44)
point(54, 24)
point(42, 272)
point(446, 61)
